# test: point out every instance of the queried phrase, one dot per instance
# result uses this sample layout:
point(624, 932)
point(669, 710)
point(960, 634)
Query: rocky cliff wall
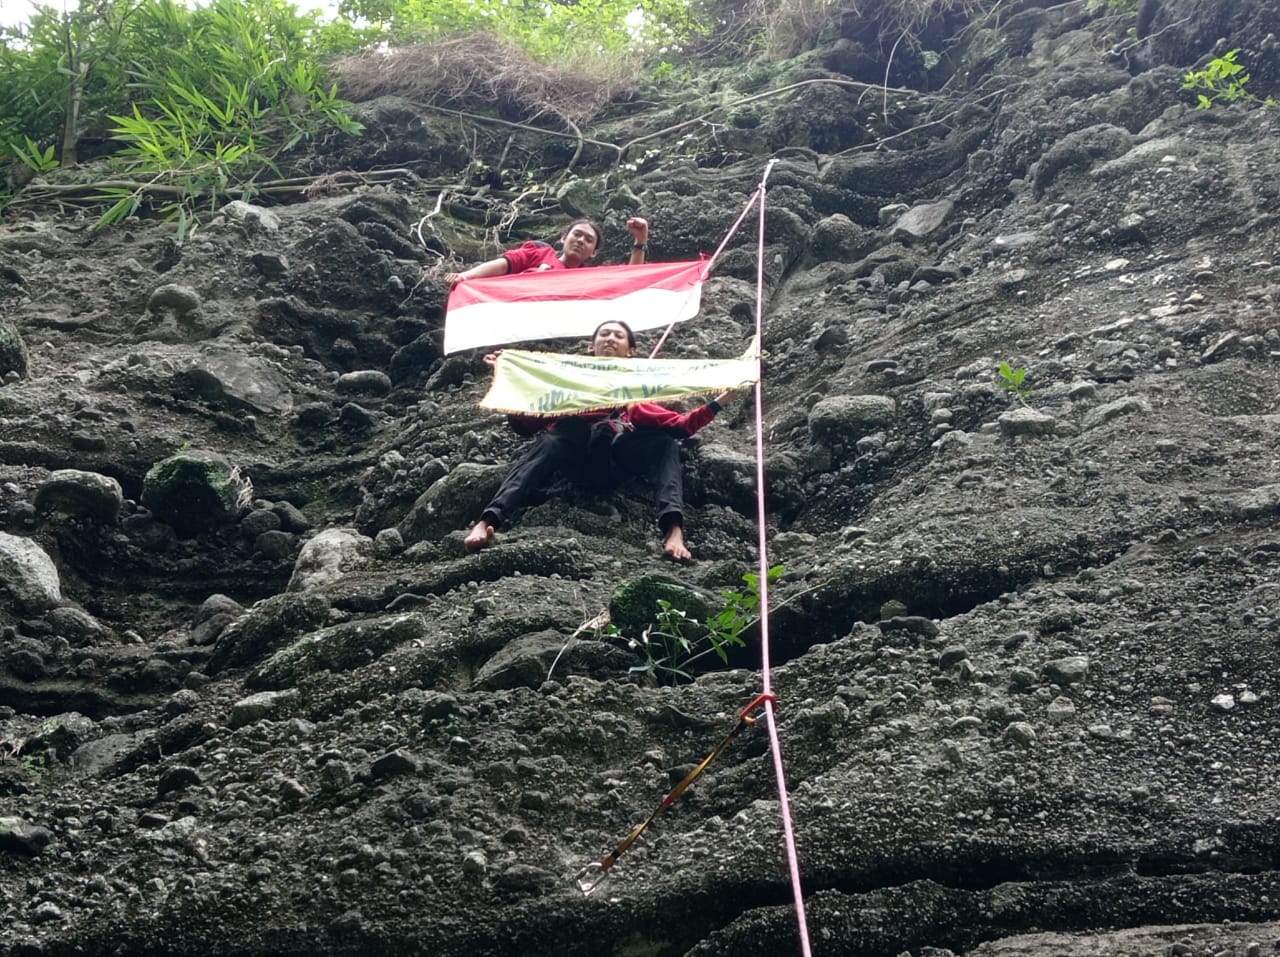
point(257, 698)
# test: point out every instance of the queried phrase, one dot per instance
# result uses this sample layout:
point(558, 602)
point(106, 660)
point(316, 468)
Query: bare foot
point(674, 547)
point(479, 536)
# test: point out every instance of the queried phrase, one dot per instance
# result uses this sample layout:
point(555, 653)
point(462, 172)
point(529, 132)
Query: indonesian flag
point(569, 303)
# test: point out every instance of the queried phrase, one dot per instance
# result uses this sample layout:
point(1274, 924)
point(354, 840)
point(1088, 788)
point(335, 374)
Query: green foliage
point(1222, 81)
point(548, 32)
point(198, 102)
point(43, 60)
point(265, 95)
point(30, 155)
point(671, 645)
point(1014, 380)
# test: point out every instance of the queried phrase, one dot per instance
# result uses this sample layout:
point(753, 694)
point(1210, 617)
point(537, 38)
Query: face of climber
point(580, 243)
point(613, 339)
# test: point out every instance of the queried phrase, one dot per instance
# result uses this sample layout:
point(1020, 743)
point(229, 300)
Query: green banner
point(547, 383)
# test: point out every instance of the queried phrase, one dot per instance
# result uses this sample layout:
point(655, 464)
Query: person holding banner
point(638, 440)
point(578, 243)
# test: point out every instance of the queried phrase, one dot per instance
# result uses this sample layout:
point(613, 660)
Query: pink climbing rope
point(784, 802)
point(793, 858)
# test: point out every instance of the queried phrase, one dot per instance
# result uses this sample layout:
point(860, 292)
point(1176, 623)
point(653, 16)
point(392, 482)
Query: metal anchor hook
point(590, 877)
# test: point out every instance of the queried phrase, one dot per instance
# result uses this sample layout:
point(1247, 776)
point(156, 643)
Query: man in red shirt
point(638, 440)
point(578, 243)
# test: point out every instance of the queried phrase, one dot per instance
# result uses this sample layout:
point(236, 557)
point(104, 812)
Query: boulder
point(634, 603)
point(921, 221)
point(328, 556)
point(28, 574)
point(451, 502)
point(19, 837)
point(267, 627)
point(81, 494)
point(245, 381)
point(342, 647)
point(843, 419)
point(195, 490)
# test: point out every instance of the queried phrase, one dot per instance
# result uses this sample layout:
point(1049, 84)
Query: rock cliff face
point(255, 697)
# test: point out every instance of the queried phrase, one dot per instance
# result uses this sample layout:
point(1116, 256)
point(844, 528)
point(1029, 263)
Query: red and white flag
point(567, 303)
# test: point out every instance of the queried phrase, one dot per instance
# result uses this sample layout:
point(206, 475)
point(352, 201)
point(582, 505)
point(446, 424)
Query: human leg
point(656, 456)
point(546, 454)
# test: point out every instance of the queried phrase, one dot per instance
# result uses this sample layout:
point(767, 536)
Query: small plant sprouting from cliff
point(34, 158)
point(1014, 381)
point(671, 645)
point(1223, 80)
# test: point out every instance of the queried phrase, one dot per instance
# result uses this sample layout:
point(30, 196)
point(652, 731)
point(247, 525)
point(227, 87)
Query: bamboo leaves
point(205, 99)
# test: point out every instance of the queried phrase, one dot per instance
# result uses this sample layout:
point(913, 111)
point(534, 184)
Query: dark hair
point(631, 336)
point(584, 222)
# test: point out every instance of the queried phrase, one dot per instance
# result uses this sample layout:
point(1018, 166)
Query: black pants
point(596, 455)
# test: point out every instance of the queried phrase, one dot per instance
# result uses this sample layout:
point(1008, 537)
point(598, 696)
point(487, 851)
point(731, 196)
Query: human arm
point(650, 415)
point(639, 230)
point(723, 399)
point(494, 267)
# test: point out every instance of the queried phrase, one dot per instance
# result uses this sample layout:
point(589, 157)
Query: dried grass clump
point(482, 71)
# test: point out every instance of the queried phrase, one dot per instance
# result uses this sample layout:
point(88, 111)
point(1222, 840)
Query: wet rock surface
point(256, 697)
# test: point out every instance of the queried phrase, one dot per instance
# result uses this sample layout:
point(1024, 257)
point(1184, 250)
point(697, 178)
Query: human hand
point(638, 228)
point(491, 359)
point(453, 278)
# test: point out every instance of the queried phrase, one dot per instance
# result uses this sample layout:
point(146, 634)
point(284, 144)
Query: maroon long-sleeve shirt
point(645, 415)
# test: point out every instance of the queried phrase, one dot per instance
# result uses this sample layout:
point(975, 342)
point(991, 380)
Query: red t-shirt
point(532, 257)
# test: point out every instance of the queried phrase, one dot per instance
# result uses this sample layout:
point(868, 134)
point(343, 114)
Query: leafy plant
point(548, 32)
point(222, 105)
point(671, 645)
point(1223, 80)
point(197, 102)
point(61, 70)
point(1014, 381)
point(32, 156)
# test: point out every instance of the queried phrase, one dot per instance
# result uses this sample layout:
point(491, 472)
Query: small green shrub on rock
point(676, 640)
point(1223, 80)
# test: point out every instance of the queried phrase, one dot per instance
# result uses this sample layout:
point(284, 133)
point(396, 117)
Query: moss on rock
point(13, 352)
point(634, 603)
point(269, 625)
point(343, 647)
point(193, 490)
